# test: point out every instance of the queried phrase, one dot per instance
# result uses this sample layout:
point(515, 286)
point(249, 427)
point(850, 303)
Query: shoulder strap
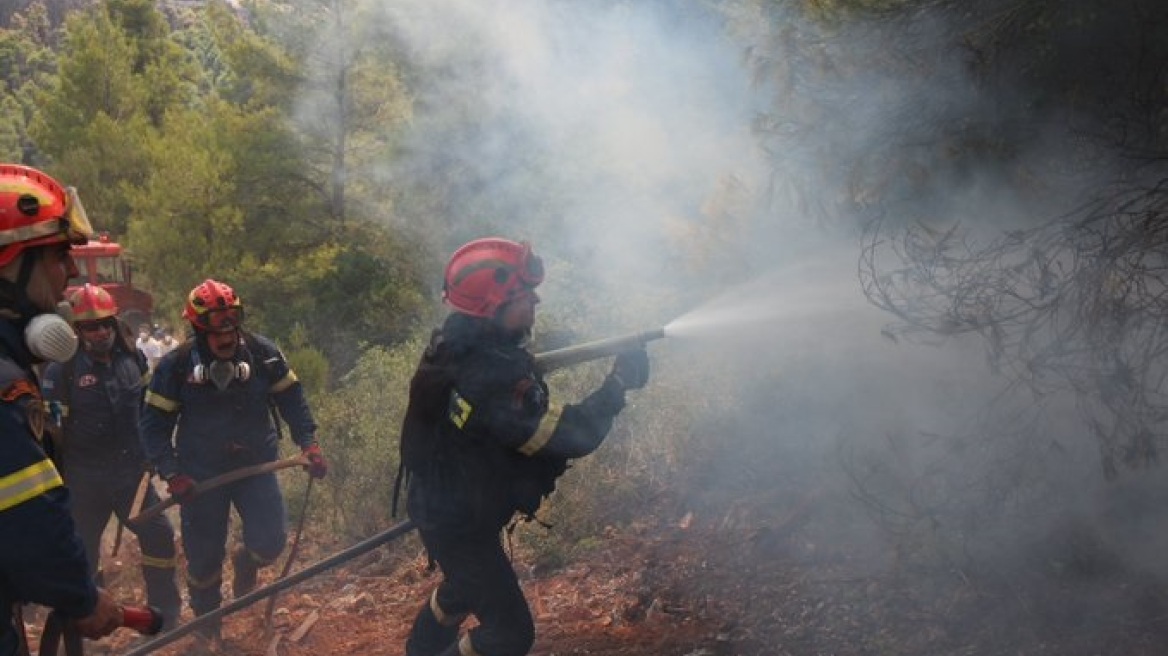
point(408, 441)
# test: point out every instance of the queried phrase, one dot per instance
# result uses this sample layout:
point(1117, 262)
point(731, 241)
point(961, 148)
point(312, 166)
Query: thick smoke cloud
point(657, 162)
point(596, 126)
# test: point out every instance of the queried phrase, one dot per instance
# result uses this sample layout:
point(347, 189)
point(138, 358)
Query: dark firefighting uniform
point(219, 431)
point(42, 560)
point(99, 405)
point(480, 443)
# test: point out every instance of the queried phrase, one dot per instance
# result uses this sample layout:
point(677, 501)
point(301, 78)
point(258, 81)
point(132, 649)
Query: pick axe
point(219, 481)
point(135, 508)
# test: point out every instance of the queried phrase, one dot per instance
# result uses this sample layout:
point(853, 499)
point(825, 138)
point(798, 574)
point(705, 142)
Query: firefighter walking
point(482, 442)
point(42, 559)
point(207, 412)
point(97, 396)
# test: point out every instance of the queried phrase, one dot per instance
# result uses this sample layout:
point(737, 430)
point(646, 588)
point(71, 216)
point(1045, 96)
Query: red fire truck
point(102, 262)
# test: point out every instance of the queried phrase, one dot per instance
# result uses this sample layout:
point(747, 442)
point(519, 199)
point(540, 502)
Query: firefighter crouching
point(216, 388)
point(42, 560)
point(97, 396)
point(481, 442)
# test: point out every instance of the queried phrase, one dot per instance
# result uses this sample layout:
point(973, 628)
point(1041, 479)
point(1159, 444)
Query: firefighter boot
point(246, 569)
point(209, 638)
point(434, 632)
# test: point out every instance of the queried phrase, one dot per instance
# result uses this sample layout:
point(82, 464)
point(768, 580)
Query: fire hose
point(250, 598)
point(59, 630)
point(572, 355)
point(545, 362)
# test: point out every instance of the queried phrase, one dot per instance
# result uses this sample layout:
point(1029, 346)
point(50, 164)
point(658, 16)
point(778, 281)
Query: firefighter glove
point(631, 368)
point(181, 487)
point(316, 466)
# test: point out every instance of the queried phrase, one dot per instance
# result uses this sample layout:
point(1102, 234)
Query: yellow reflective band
point(543, 432)
point(460, 409)
point(161, 402)
point(28, 483)
point(213, 581)
point(443, 618)
point(159, 563)
point(284, 383)
point(60, 407)
point(30, 232)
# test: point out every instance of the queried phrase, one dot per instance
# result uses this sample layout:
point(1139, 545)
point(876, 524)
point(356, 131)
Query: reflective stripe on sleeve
point(161, 402)
point(28, 483)
point(543, 432)
point(285, 382)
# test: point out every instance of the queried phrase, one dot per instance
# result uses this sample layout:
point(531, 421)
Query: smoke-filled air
point(898, 266)
point(805, 203)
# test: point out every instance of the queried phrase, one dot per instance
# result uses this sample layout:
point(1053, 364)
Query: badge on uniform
point(459, 409)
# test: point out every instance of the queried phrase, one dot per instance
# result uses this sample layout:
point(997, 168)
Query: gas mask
point(220, 372)
point(50, 337)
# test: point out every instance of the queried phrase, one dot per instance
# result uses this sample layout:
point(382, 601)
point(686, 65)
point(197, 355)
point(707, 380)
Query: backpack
point(531, 479)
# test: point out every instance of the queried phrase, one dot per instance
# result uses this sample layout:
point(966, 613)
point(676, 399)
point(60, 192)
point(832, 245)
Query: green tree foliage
point(28, 64)
point(118, 76)
point(360, 420)
point(182, 225)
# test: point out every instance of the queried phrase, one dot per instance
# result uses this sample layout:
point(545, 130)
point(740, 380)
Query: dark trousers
point(95, 497)
point(205, 521)
point(477, 579)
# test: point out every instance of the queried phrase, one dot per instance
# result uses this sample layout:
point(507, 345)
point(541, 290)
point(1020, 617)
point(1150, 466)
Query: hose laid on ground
point(366, 545)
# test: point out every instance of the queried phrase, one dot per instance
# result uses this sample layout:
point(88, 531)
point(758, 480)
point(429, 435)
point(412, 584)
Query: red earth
point(742, 572)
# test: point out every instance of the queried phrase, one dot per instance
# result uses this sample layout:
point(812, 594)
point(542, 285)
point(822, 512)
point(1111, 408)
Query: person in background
point(166, 341)
point(99, 394)
point(482, 444)
point(216, 389)
point(147, 345)
point(42, 559)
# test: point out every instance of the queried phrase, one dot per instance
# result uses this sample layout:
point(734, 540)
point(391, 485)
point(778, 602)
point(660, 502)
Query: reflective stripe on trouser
point(478, 579)
point(433, 631)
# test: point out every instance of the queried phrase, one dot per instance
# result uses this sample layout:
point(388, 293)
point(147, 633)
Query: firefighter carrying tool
point(211, 409)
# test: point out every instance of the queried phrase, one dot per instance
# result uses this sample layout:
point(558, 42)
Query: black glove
point(631, 368)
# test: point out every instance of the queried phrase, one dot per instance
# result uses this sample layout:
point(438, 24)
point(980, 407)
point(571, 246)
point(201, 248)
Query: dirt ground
point(727, 574)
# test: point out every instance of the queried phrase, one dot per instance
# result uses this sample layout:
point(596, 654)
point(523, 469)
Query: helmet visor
point(222, 320)
point(75, 223)
point(530, 270)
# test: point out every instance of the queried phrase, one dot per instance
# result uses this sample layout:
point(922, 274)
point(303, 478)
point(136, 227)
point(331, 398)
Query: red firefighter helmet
point(213, 307)
point(485, 274)
point(36, 210)
point(91, 303)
